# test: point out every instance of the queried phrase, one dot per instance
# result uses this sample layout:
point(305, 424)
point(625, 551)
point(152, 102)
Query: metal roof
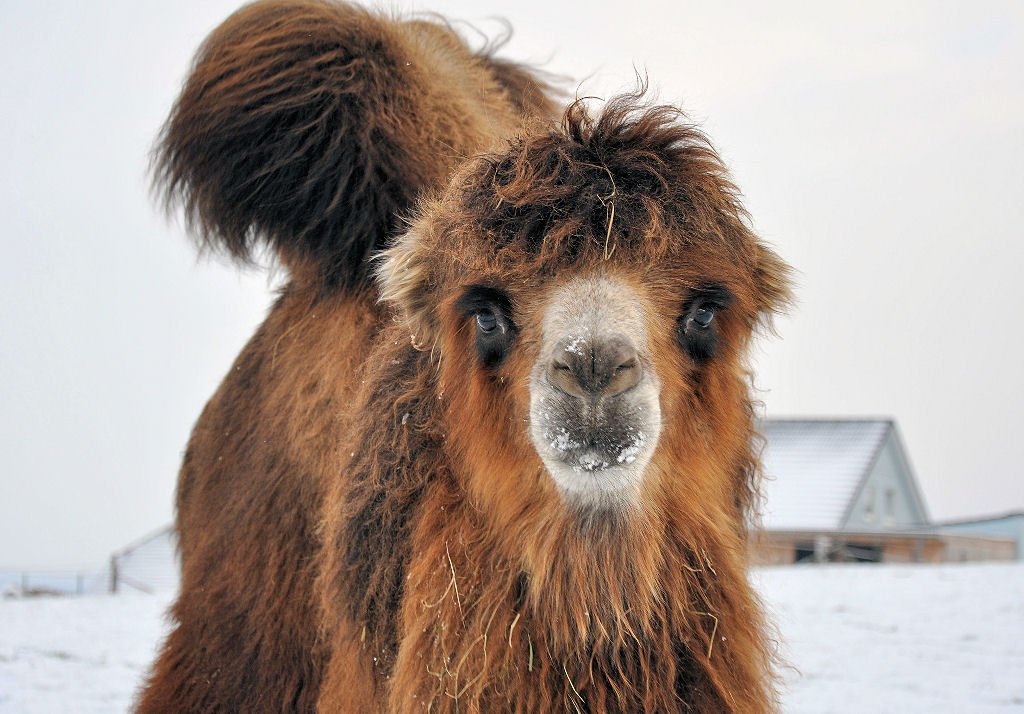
point(814, 469)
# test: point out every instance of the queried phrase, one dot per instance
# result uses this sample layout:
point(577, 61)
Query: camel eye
point(696, 329)
point(495, 334)
point(492, 311)
point(486, 321)
point(703, 315)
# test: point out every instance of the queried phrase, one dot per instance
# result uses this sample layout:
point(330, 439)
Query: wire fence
point(148, 565)
point(29, 583)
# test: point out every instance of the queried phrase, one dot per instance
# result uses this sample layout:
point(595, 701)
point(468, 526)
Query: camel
point(493, 448)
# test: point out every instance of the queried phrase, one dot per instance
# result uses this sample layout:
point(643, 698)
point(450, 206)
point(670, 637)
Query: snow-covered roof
point(814, 469)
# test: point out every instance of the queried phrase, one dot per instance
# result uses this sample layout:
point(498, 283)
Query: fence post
point(113, 573)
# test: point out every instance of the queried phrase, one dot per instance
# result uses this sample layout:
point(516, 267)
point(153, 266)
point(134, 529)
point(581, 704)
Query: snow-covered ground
point(76, 654)
point(857, 639)
point(870, 638)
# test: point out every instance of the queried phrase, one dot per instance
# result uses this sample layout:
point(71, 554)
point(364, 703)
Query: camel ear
point(404, 281)
point(773, 278)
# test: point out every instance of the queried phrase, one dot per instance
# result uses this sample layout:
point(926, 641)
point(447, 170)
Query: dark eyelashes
point(480, 298)
point(717, 296)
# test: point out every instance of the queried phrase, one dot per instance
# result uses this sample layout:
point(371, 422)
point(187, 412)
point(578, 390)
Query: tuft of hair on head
point(622, 174)
point(631, 175)
point(310, 126)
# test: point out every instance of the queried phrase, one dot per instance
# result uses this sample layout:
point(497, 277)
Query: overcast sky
point(879, 146)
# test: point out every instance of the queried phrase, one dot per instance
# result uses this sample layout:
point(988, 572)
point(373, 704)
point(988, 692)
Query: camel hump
point(310, 127)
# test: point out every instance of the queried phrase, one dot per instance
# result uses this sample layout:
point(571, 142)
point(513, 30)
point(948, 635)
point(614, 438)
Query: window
point(869, 504)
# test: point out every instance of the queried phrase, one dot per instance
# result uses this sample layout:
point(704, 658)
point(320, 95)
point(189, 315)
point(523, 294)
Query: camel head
point(588, 296)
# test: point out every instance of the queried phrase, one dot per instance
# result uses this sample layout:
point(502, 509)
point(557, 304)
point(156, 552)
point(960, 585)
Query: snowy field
point(857, 639)
point(920, 638)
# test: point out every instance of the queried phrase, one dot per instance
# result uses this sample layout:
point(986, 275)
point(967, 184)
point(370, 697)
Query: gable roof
point(814, 469)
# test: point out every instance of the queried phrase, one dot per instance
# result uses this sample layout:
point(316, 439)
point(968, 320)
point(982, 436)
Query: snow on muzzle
point(594, 411)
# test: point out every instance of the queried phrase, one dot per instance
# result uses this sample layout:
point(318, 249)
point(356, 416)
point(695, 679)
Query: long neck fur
point(647, 612)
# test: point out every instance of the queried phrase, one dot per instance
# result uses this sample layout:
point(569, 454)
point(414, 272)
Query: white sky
point(879, 147)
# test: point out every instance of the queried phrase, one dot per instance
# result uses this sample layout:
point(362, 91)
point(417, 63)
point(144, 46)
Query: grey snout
point(595, 368)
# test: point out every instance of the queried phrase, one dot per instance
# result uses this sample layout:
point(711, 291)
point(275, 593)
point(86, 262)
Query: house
point(844, 490)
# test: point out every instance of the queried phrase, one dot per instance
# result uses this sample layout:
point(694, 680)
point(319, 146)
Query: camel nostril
point(626, 375)
point(566, 377)
point(630, 363)
point(595, 368)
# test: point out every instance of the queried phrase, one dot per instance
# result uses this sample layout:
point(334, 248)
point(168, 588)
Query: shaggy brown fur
point(308, 127)
point(454, 577)
point(364, 522)
point(311, 126)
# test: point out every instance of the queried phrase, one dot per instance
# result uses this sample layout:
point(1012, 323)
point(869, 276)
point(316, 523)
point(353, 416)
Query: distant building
point(844, 490)
point(1008, 525)
point(149, 564)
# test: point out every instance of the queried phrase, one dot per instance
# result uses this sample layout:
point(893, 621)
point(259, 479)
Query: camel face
point(585, 297)
point(595, 415)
